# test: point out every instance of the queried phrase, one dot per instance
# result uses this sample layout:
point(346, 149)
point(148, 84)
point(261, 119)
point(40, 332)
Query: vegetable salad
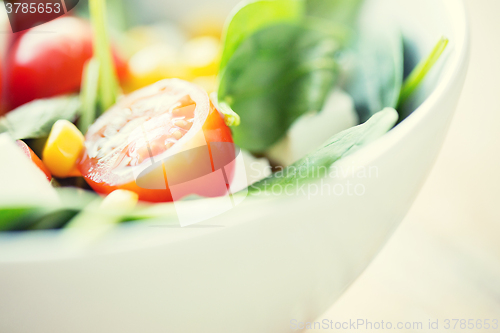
point(104, 123)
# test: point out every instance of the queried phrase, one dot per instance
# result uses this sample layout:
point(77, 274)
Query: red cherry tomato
point(48, 60)
point(162, 142)
point(32, 156)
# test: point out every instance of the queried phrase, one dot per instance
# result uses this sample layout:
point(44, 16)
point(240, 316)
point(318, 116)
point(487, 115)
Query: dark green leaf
point(34, 216)
point(80, 208)
point(54, 220)
point(275, 76)
point(317, 163)
point(20, 218)
point(35, 119)
point(252, 16)
point(378, 65)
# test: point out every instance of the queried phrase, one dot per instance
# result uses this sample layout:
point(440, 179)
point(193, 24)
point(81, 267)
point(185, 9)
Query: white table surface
point(444, 260)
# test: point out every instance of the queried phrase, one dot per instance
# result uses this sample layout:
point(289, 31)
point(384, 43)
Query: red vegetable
point(162, 142)
point(48, 60)
point(35, 159)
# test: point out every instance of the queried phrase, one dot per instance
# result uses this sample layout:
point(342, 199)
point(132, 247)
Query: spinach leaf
point(279, 62)
point(275, 76)
point(22, 218)
point(250, 17)
point(34, 120)
point(54, 220)
point(316, 164)
point(35, 216)
point(10, 218)
point(378, 65)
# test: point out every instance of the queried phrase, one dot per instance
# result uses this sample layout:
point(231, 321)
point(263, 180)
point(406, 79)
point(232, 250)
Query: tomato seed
point(177, 134)
point(181, 123)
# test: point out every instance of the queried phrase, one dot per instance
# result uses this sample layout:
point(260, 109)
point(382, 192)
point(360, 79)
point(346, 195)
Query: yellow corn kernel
point(120, 199)
point(63, 147)
point(203, 25)
point(155, 63)
point(201, 56)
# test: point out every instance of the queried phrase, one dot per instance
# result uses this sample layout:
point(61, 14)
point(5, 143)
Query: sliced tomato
point(162, 142)
point(48, 60)
point(35, 159)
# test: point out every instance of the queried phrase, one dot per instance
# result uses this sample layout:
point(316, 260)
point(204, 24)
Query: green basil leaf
point(250, 17)
point(317, 163)
point(276, 75)
point(35, 119)
point(378, 65)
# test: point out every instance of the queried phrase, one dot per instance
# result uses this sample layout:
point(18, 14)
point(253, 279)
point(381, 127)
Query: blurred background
point(444, 260)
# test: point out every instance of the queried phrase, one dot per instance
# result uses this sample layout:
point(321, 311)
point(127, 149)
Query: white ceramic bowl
point(268, 262)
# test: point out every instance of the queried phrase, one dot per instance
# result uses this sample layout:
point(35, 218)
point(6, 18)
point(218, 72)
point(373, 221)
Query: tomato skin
point(42, 65)
point(35, 159)
point(214, 130)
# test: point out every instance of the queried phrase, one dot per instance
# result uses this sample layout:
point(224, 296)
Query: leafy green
point(35, 119)
point(378, 66)
point(279, 62)
point(35, 216)
point(20, 218)
point(108, 82)
point(54, 220)
point(418, 74)
point(88, 94)
point(250, 17)
point(78, 209)
point(275, 76)
point(316, 164)
point(339, 11)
